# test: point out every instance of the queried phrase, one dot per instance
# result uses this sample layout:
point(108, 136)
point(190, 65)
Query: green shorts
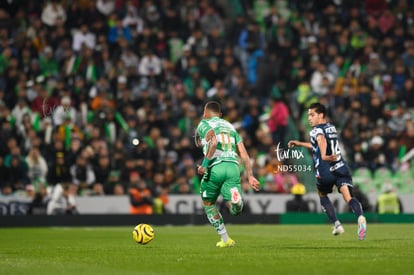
point(219, 179)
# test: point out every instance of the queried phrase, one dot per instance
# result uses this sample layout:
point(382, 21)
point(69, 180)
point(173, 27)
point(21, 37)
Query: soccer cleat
point(338, 230)
point(362, 228)
point(235, 196)
point(229, 243)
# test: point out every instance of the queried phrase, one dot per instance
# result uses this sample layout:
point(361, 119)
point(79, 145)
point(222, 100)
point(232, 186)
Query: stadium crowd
point(105, 94)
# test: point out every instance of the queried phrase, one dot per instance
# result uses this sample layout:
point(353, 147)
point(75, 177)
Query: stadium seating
point(363, 178)
point(403, 182)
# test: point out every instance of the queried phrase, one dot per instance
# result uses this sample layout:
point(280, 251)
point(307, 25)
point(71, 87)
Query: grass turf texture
point(260, 249)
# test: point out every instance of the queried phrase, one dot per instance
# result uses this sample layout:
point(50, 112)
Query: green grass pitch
point(260, 249)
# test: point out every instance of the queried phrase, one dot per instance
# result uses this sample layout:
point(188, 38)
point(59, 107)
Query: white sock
point(224, 237)
point(337, 223)
point(223, 233)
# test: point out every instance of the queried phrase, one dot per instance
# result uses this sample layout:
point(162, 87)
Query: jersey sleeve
point(202, 129)
point(316, 132)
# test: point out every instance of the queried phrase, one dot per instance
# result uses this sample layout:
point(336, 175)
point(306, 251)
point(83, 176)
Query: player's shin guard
point(215, 218)
point(356, 207)
point(329, 209)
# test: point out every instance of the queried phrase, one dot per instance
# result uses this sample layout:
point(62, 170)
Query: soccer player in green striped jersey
point(222, 147)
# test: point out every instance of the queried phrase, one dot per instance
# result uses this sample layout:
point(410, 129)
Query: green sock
point(216, 220)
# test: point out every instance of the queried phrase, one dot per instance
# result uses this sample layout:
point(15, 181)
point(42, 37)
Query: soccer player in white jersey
point(222, 146)
point(331, 168)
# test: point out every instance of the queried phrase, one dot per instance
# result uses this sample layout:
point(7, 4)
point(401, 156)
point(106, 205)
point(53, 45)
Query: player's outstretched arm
point(254, 183)
point(293, 143)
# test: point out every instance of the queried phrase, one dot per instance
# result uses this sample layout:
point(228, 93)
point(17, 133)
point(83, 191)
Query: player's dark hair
point(319, 108)
point(213, 106)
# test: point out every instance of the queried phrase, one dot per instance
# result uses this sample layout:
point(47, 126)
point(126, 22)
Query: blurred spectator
point(211, 20)
point(251, 39)
point(47, 63)
point(346, 88)
point(392, 154)
point(193, 180)
point(128, 167)
point(19, 110)
point(106, 7)
point(213, 72)
point(38, 205)
point(194, 80)
point(285, 181)
point(62, 200)
point(270, 184)
point(118, 32)
point(297, 203)
point(375, 66)
point(52, 11)
point(180, 186)
point(246, 188)
point(16, 169)
point(182, 64)
point(37, 166)
point(321, 80)
point(6, 190)
point(82, 174)
point(97, 190)
point(408, 56)
point(131, 62)
point(72, 152)
point(69, 131)
point(140, 196)
point(102, 171)
point(375, 154)
point(150, 66)
point(119, 190)
point(132, 20)
point(83, 37)
point(278, 120)
point(386, 22)
point(59, 171)
point(64, 111)
point(388, 202)
point(43, 104)
point(375, 7)
point(151, 14)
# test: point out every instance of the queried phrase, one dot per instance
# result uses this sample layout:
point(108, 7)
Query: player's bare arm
point(293, 143)
point(254, 183)
point(211, 148)
point(322, 146)
point(212, 144)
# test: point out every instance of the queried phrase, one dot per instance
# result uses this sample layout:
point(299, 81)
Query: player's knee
point(208, 203)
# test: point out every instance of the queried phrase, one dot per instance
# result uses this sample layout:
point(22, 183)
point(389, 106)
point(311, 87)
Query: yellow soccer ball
point(143, 233)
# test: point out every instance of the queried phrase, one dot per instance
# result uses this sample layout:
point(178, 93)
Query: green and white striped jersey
point(227, 138)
